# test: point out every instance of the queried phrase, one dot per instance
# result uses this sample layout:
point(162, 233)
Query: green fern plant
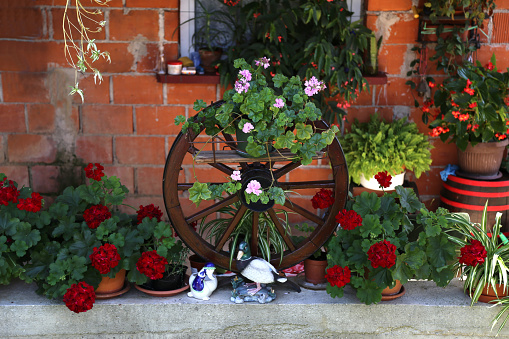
point(379, 146)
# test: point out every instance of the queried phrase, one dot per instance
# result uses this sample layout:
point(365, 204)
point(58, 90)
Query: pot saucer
point(394, 296)
point(164, 293)
point(460, 173)
point(301, 280)
point(102, 296)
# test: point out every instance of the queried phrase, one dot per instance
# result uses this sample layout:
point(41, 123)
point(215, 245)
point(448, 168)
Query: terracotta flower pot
point(392, 291)
point(196, 262)
point(483, 160)
point(488, 294)
point(208, 58)
point(314, 271)
point(111, 285)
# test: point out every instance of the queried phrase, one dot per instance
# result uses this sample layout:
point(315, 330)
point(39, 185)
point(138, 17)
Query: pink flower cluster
point(242, 85)
point(263, 62)
point(254, 187)
point(313, 86)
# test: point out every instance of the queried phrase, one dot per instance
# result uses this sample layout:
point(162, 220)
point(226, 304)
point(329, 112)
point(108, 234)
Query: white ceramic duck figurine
point(203, 283)
point(257, 269)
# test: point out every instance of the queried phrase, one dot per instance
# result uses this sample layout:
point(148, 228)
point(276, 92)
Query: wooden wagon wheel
point(182, 215)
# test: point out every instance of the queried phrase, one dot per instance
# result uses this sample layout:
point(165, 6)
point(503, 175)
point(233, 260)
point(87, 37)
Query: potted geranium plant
point(89, 243)
point(21, 219)
point(471, 111)
point(263, 118)
point(383, 240)
point(380, 146)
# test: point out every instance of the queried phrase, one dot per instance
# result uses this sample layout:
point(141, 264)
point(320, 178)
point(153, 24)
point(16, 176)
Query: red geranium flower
point(382, 254)
point(384, 179)
point(95, 174)
point(152, 265)
point(473, 254)
point(338, 276)
point(348, 220)
point(95, 215)
point(8, 192)
point(490, 66)
point(150, 211)
point(323, 199)
point(79, 297)
point(32, 204)
point(105, 258)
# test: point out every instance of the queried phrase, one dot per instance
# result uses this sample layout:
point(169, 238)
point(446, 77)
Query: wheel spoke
point(307, 184)
point(254, 236)
point(233, 223)
point(222, 167)
point(281, 229)
point(229, 138)
point(214, 208)
point(304, 212)
point(285, 169)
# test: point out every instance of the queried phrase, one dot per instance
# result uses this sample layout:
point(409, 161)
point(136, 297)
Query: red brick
point(107, 119)
point(2, 152)
point(140, 150)
point(121, 59)
point(32, 56)
point(502, 4)
point(94, 93)
point(364, 98)
point(171, 23)
point(41, 118)
point(187, 94)
point(371, 22)
point(125, 174)
point(141, 89)
point(363, 114)
point(150, 180)
point(19, 174)
point(429, 182)
point(75, 118)
point(31, 148)
point(403, 31)
point(25, 87)
point(12, 117)
point(444, 153)
point(158, 120)
point(111, 3)
point(95, 149)
point(153, 3)
point(58, 34)
point(46, 179)
point(125, 27)
point(393, 5)
point(392, 59)
point(302, 202)
point(396, 92)
point(21, 22)
point(484, 56)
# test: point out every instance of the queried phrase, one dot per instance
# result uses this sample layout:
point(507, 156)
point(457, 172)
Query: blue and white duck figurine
point(203, 283)
point(258, 270)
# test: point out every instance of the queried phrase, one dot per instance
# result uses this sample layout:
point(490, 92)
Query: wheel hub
point(266, 180)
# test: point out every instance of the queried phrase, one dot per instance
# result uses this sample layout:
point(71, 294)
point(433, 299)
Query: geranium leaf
point(334, 291)
point(199, 192)
point(277, 194)
point(199, 105)
point(382, 276)
point(440, 250)
point(285, 140)
point(366, 203)
point(304, 131)
point(408, 199)
point(369, 292)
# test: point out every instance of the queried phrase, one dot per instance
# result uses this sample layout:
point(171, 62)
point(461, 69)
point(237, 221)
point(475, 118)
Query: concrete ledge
point(425, 310)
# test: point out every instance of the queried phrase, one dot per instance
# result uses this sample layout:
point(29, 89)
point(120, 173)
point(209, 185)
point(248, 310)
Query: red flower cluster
point(152, 265)
point(95, 174)
point(473, 254)
point(438, 130)
point(384, 179)
point(79, 297)
point(468, 89)
point(32, 204)
point(8, 192)
point(323, 199)
point(490, 66)
point(95, 215)
point(427, 105)
point(348, 220)
point(382, 254)
point(231, 2)
point(150, 211)
point(338, 276)
point(105, 258)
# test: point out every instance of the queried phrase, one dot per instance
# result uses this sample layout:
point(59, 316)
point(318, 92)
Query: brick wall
point(126, 123)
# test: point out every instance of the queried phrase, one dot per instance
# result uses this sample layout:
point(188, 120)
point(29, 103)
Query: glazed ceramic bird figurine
point(259, 270)
point(203, 283)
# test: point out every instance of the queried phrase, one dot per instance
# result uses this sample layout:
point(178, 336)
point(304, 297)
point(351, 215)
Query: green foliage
point(471, 118)
point(378, 146)
point(474, 10)
point(423, 248)
point(20, 231)
point(304, 38)
point(291, 126)
point(63, 257)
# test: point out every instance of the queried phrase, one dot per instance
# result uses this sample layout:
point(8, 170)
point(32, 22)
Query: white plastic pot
point(373, 184)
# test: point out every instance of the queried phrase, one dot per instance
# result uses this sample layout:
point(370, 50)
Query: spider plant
point(268, 235)
point(493, 270)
